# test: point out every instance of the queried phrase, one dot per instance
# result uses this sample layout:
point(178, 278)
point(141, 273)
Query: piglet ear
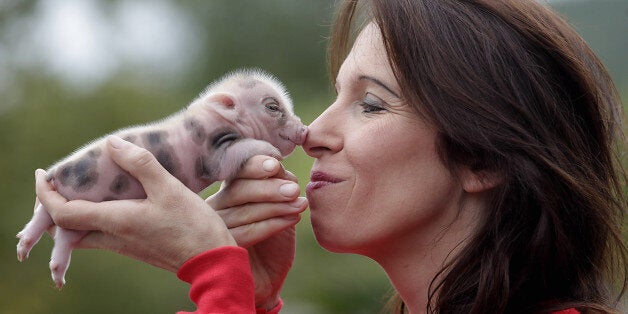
point(225, 104)
point(225, 100)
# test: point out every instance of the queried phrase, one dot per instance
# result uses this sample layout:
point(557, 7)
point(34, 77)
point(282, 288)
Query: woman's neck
point(412, 262)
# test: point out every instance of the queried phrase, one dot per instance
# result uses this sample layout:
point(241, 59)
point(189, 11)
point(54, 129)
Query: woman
point(470, 152)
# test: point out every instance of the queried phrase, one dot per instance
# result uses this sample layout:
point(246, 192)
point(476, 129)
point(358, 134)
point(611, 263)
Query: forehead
point(252, 84)
point(367, 57)
point(249, 85)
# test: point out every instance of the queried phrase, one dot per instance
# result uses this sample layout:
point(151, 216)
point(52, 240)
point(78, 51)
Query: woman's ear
point(479, 181)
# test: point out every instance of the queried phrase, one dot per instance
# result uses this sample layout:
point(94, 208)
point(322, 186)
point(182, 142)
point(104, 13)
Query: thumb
point(139, 162)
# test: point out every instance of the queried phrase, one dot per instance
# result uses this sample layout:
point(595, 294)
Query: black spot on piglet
point(63, 174)
point(157, 144)
point(164, 157)
point(119, 184)
point(129, 138)
point(94, 153)
point(84, 174)
point(197, 131)
point(109, 198)
point(81, 174)
point(153, 138)
point(201, 168)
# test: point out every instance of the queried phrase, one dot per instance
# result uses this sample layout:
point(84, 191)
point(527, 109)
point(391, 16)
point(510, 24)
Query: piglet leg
point(65, 241)
point(32, 232)
point(239, 152)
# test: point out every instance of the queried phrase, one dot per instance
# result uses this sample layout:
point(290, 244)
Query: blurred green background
point(73, 70)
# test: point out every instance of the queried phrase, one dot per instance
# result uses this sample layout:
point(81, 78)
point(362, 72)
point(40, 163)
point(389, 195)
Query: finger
point(45, 192)
point(259, 167)
point(101, 241)
point(244, 191)
point(255, 212)
point(139, 162)
point(252, 234)
point(111, 217)
point(262, 167)
point(287, 175)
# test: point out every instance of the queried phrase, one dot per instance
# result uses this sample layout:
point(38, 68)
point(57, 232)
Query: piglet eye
point(272, 106)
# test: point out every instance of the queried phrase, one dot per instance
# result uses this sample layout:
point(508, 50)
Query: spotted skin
point(244, 114)
point(80, 175)
point(156, 143)
point(202, 170)
point(196, 129)
point(120, 184)
point(129, 138)
point(109, 198)
point(94, 153)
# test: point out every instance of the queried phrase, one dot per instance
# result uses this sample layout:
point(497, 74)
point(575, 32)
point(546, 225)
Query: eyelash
point(371, 106)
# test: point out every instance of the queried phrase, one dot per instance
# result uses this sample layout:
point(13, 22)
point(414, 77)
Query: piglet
point(245, 113)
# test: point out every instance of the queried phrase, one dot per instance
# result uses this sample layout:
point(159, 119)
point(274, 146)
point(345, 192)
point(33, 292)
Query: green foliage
point(47, 120)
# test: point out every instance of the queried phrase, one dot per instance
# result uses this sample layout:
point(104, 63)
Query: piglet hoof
point(57, 270)
point(24, 246)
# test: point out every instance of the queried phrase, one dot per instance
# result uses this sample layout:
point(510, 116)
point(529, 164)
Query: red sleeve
point(567, 311)
point(222, 282)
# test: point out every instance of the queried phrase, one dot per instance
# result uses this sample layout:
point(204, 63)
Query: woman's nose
point(325, 134)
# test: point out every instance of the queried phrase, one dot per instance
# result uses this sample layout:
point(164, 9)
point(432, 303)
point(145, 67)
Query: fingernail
point(298, 203)
point(269, 165)
point(116, 142)
point(289, 189)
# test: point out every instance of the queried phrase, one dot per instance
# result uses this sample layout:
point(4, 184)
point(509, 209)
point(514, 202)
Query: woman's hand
point(261, 208)
point(166, 229)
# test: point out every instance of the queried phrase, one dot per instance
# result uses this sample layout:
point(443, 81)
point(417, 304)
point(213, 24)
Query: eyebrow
point(378, 82)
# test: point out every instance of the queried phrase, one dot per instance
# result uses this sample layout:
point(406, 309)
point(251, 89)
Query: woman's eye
point(371, 104)
point(366, 108)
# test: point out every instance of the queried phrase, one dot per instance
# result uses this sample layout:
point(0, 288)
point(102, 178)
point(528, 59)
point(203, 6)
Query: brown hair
point(512, 89)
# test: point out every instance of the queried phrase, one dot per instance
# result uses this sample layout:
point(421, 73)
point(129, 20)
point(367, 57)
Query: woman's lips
point(319, 179)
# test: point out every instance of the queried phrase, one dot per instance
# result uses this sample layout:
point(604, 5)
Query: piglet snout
point(300, 135)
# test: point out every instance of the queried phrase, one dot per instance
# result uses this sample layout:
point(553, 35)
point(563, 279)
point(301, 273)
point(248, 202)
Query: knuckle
point(176, 198)
point(122, 229)
point(143, 159)
point(232, 186)
point(249, 231)
point(245, 216)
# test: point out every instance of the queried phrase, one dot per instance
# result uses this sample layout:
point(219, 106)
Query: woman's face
point(377, 182)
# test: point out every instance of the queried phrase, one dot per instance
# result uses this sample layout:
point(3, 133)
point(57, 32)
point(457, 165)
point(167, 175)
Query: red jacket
point(222, 282)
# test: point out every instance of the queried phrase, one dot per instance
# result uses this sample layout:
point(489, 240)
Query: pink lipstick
point(319, 179)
